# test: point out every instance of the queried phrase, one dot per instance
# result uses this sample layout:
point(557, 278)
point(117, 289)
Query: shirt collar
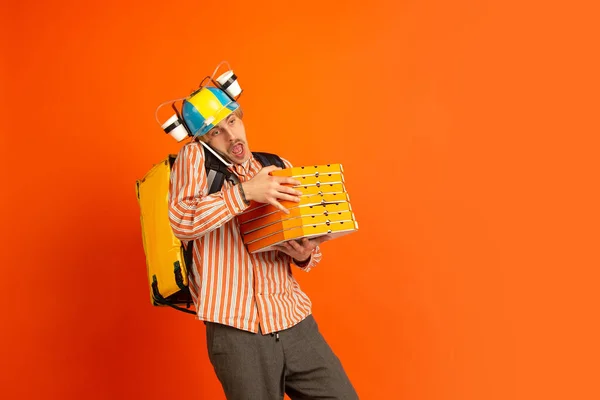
point(244, 168)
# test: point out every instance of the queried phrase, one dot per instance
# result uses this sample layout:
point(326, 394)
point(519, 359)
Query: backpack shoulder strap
point(266, 159)
point(172, 158)
point(216, 172)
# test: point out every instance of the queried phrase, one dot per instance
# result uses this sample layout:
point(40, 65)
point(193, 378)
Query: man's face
point(228, 138)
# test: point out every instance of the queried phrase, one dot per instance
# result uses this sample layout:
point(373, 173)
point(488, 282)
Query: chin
point(238, 160)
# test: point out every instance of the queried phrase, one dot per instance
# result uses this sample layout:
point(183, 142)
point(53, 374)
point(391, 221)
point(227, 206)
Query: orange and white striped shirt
point(229, 285)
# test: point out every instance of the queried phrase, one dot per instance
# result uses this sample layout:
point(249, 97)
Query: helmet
point(204, 109)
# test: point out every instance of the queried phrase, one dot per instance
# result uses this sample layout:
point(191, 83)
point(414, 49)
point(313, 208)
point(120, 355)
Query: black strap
point(212, 163)
point(178, 275)
point(159, 299)
point(266, 159)
point(172, 158)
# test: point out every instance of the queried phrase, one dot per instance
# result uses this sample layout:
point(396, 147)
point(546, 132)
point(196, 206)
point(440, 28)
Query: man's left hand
point(301, 250)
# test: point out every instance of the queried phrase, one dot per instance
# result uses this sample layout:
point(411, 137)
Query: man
point(262, 339)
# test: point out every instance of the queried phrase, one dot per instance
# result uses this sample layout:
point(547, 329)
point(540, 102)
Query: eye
point(214, 132)
point(232, 121)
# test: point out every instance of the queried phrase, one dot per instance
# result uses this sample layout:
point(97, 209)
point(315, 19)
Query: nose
point(229, 134)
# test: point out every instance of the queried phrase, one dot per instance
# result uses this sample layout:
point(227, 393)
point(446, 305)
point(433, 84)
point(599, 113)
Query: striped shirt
point(229, 285)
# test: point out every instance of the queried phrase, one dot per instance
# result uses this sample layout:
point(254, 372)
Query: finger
point(285, 248)
point(308, 244)
point(304, 245)
point(327, 238)
point(278, 206)
point(289, 190)
point(283, 196)
point(285, 180)
point(270, 169)
point(296, 246)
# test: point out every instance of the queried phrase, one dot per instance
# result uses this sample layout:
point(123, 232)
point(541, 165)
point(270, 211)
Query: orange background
point(468, 131)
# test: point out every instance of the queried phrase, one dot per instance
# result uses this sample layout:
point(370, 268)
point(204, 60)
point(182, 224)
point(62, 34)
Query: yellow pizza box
point(335, 229)
point(258, 210)
point(322, 179)
point(301, 211)
point(314, 170)
point(321, 189)
point(292, 223)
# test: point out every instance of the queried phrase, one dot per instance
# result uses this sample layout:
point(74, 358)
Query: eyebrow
point(227, 119)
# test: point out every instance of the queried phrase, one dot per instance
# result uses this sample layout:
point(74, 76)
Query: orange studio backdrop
point(468, 132)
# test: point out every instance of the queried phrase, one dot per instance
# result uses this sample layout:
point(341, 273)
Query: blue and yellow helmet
point(204, 109)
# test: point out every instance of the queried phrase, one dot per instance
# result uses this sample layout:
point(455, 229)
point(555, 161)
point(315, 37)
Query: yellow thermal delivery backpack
point(165, 255)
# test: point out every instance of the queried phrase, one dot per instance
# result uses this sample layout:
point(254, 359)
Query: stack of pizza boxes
point(324, 209)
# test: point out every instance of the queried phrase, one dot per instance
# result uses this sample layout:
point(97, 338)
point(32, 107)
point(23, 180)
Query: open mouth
point(237, 149)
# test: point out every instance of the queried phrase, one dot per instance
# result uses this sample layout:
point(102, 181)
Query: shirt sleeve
point(313, 260)
point(192, 212)
point(316, 255)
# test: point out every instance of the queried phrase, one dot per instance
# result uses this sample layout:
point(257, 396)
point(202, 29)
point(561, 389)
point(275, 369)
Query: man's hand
point(301, 250)
point(265, 188)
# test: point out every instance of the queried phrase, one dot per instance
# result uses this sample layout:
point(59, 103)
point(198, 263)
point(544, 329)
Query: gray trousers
point(296, 361)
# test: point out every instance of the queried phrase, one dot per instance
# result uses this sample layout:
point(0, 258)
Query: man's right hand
point(265, 188)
